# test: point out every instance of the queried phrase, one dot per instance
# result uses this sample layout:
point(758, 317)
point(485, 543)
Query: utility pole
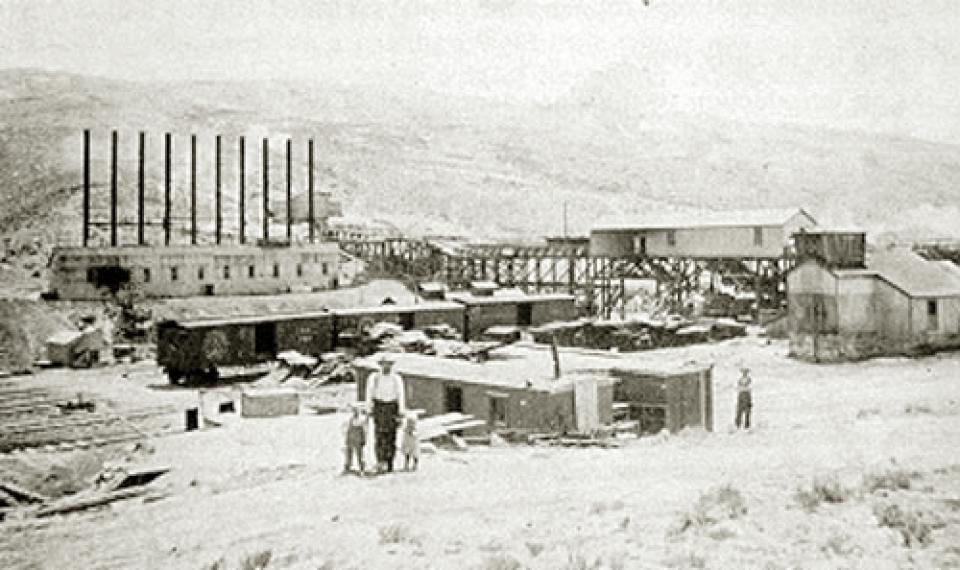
point(564, 218)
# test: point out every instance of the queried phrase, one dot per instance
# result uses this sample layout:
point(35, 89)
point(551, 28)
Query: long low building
point(78, 273)
point(722, 234)
point(521, 392)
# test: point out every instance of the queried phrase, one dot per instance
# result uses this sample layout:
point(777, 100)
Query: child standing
point(410, 443)
point(356, 437)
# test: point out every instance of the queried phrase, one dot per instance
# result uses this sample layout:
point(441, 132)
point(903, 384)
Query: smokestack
point(141, 152)
point(113, 189)
point(167, 181)
point(310, 187)
point(289, 205)
point(193, 189)
point(216, 199)
point(266, 190)
point(242, 180)
point(86, 186)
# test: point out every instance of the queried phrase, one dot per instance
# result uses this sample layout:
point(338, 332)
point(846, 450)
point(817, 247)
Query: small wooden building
point(502, 394)
point(900, 303)
point(520, 310)
point(76, 349)
point(666, 399)
point(730, 234)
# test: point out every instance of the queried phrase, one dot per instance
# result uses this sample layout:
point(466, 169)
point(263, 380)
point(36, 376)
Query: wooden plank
point(73, 504)
point(466, 424)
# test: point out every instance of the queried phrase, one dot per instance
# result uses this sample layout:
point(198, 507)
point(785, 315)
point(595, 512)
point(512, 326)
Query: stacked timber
point(638, 334)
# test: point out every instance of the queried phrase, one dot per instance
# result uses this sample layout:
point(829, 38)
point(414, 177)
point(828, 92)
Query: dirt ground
point(269, 490)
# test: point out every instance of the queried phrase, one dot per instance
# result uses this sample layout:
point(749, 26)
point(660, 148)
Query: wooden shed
point(666, 399)
point(504, 395)
point(77, 349)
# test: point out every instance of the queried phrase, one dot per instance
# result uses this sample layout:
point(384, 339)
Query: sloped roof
point(915, 275)
point(706, 218)
point(64, 338)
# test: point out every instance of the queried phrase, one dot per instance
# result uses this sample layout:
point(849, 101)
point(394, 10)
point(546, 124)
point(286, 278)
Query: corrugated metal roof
point(915, 275)
point(708, 218)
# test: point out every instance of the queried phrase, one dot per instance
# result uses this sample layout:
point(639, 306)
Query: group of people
point(385, 403)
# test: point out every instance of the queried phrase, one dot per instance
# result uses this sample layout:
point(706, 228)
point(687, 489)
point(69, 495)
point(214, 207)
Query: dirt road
point(269, 489)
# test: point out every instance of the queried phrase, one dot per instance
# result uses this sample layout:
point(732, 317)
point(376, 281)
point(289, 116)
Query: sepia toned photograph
point(479, 284)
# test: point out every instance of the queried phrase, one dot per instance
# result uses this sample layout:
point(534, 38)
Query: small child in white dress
point(410, 443)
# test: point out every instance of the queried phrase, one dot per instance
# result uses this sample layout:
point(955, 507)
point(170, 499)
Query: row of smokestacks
point(168, 170)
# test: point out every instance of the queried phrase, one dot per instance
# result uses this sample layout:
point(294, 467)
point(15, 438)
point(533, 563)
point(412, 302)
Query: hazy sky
point(878, 64)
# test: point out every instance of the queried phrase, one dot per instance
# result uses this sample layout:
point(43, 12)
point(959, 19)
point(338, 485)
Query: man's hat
point(386, 357)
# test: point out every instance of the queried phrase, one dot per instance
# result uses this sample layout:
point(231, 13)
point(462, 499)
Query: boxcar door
point(453, 398)
point(524, 314)
point(265, 339)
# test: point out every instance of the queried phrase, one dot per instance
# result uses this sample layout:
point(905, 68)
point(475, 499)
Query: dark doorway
point(524, 314)
point(406, 321)
point(110, 277)
point(453, 399)
point(265, 339)
point(208, 290)
point(498, 411)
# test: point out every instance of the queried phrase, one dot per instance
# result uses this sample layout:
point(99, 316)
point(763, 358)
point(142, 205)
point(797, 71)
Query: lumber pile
point(637, 334)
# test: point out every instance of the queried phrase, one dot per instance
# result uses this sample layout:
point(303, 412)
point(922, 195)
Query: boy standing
point(356, 437)
point(744, 399)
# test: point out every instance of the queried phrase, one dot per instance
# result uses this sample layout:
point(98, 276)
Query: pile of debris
point(304, 372)
point(436, 340)
point(637, 334)
point(45, 484)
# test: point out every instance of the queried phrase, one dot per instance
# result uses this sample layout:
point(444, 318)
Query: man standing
point(744, 399)
point(385, 396)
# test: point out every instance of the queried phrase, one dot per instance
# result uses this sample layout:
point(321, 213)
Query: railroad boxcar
point(353, 321)
point(483, 312)
point(196, 349)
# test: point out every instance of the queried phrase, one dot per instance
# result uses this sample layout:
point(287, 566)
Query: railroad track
point(31, 418)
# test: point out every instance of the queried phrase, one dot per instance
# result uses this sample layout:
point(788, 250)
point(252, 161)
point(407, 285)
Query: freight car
point(350, 323)
point(197, 349)
point(192, 350)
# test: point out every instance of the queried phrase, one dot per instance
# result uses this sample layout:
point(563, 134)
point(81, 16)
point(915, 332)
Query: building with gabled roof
point(898, 303)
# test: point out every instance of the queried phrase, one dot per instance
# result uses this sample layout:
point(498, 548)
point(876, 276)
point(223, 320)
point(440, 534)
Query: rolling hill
point(439, 164)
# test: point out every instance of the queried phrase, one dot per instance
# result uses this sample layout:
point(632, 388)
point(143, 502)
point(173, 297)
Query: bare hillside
point(434, 163)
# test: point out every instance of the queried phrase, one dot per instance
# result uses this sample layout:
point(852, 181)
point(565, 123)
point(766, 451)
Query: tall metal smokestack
point(141, 152)
point(113, 189)
point(167, 182)
point(242, 180)
point(266, 190)
point(310, 187)
point(216, 199)
point(289, 194)
point(86, 186)
point(193, 189)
